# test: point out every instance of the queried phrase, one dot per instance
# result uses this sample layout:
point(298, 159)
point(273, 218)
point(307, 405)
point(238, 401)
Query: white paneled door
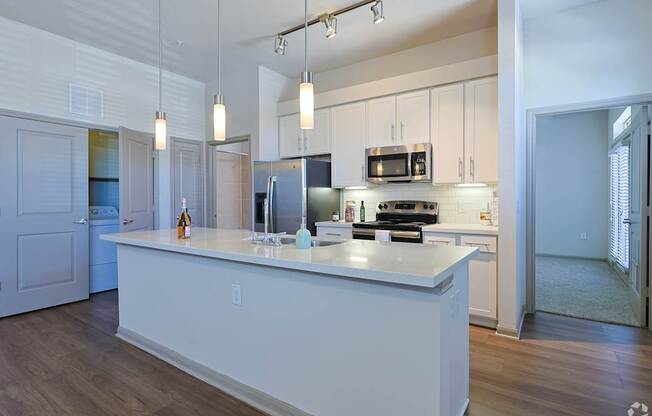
point(187, 179)
point(43, 209)
point(136, 180)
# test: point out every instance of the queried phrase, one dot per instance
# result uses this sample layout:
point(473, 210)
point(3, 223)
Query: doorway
point(588, 185)
point(230, 166)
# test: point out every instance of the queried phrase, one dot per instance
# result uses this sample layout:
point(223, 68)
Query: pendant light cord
point(305, 28)
point(219, 52)
point(160, 61)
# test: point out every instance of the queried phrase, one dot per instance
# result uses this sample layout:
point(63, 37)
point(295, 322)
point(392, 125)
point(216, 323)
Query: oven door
point(388, 164)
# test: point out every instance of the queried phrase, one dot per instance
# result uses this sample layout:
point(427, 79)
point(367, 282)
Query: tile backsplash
point(459, 205)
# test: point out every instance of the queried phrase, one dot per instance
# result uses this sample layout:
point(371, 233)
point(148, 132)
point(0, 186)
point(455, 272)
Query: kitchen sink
point(314, 243)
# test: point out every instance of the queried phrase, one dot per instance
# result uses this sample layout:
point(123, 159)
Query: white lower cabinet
point(337, 232)
point(483, 280)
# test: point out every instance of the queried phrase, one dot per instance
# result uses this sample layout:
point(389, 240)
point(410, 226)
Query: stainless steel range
point(403, 220)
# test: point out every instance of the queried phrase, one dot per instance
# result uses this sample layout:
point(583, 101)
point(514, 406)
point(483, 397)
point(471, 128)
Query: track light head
point(280, 44)
point(377, 10)
point(330, 22)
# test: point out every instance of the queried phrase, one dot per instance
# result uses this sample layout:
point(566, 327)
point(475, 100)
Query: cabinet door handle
point(472, 166)
point(299, 144)
point(393, 134)
point(127, 221)
point(460, 168)
point(334, 234)
point(81, 221)
point(363, 177)
point(402, 132)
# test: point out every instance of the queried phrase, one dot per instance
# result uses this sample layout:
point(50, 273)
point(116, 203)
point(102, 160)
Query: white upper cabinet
point(348, 146)
point(290, 136)
point(294, 142)
point(318, 140)
point(481, 130)
point(413, 117)
point(382, 121)
point(447, 126)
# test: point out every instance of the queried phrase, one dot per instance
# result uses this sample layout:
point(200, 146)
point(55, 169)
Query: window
point(619, 207)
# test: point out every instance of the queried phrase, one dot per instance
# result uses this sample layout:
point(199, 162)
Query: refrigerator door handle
point(269, 211)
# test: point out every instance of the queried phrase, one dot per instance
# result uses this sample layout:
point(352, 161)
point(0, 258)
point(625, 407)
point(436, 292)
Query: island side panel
point(326, 345)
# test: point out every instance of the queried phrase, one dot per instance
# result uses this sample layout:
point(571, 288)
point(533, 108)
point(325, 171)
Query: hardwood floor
point(66, 361)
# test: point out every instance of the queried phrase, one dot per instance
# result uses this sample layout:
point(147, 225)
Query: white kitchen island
point(361, 328)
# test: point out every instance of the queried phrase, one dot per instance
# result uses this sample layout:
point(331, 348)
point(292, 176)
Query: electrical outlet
point(584, 236)
point(236, 295)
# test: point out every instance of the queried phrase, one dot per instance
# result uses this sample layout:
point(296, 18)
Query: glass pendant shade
point(307, 101)
point(161, 130)
point(219, 118)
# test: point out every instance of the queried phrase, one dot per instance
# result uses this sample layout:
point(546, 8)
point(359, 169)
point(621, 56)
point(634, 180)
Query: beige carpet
point(587, 289)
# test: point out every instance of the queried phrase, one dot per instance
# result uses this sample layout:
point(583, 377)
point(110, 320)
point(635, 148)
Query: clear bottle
point(303, 237)
point(362, 211)
point(184, 221)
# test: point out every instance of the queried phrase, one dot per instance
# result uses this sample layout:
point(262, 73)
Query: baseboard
point(569, 257)
point(513, 333)
point(256, 398)
point(483, 322)
point(465, 408)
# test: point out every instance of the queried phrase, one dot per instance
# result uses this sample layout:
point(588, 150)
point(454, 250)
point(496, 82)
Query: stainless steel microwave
point(408, 163)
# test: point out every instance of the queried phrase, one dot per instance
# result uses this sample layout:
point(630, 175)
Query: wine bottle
point(362, 212)
point(183, 223)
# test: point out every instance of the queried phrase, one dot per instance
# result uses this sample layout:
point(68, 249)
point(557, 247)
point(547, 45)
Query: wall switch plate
point(584, 236)
point(236, 295)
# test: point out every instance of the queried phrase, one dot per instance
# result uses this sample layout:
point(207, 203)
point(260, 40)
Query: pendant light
point(219, 110)
point(161, 129)
point(306, 90)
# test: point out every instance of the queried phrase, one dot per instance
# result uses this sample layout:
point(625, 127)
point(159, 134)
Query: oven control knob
point(385, 206)
point(425, 206)
point(380, 206)
point(432, 207)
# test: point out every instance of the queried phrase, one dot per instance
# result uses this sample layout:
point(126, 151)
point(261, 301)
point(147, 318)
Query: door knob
point(81, 221)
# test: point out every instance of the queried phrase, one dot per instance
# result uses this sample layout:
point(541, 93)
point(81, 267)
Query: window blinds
point(619, 207)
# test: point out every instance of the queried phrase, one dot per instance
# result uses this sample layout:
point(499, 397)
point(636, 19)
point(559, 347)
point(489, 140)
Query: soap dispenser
point(304, 239)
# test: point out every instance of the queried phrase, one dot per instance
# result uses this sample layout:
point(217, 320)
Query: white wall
point(597, 51)
point(572, 188)
point(445, 52)
point(37, 68)
point(251, 93)
point(511, 172)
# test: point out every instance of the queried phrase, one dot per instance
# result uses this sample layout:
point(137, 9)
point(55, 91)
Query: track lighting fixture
point(330, 22)
point(377, 10)
point(280, 44)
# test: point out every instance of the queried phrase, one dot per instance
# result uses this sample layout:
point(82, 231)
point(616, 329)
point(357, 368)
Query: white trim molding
point(249, 395)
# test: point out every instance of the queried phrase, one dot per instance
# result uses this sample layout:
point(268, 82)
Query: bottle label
point(186, 231)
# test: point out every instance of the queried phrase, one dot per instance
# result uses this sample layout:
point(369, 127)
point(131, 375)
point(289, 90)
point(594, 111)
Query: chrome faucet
point(269, 237)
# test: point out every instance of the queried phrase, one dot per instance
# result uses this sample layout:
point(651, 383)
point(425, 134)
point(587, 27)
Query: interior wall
point(597, 51)
point(511, 172)
point(572, 185)
point(448, 51)
point(37, 71)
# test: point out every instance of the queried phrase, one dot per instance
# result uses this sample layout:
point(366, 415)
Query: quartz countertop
point(462, 229)
point(399, 263)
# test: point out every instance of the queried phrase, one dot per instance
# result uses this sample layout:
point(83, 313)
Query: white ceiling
point(537, 8)
point(127, 27)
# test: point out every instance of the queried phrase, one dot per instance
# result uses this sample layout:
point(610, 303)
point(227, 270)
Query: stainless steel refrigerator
point(302, 189)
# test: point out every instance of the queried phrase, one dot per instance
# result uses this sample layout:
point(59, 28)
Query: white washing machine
point(103, 254)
